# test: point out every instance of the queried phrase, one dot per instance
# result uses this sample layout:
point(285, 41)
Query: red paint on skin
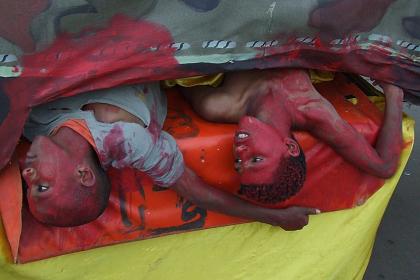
point(264, 142)
point(52, 167)
point(52, 163)
point(286, 100)
point(295, 82)
point(275, 106)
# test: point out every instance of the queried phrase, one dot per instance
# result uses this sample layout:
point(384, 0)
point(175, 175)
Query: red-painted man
point(268, 105)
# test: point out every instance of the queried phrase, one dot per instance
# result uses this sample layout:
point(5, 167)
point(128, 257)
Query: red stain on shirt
point(114, 144)
point(154, 128)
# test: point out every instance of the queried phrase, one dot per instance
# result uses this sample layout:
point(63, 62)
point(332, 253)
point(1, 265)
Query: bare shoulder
point(307, 105)
point(107, 113)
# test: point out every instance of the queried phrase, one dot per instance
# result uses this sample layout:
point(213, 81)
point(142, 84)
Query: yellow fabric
point(318, 76)
point(334, 245)
point(209, 80)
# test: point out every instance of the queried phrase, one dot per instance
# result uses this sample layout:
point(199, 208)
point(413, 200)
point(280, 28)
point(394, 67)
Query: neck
point(270, 108)
point(72, 142)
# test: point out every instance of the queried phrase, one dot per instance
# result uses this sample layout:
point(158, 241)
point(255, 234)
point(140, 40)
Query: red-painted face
point(258, 150)
point(49, 172)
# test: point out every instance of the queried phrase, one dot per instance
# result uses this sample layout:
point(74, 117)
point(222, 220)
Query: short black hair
point(287, 181)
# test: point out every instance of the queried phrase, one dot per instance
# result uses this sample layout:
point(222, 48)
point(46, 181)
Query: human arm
point(193, 188)
point(164, 164)
point(380, 160)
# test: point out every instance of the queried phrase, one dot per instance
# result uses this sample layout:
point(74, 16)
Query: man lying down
point(75, 139)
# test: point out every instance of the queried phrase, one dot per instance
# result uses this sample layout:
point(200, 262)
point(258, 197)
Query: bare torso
point(242, 92)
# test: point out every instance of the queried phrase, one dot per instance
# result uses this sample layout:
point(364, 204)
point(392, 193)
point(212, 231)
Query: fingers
point(304, 210)
point(300, 218)
point(311, 211)
point(292, 218)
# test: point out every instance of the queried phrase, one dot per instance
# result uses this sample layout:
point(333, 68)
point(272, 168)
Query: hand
point(292, 218)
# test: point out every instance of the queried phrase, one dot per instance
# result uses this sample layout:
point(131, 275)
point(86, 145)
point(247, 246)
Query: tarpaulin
point(335, 245)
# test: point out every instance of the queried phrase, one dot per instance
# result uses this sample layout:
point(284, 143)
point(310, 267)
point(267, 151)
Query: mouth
point(241, 136)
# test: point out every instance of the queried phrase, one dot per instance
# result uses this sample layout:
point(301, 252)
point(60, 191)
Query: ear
point(86, 176)
point(292, 147)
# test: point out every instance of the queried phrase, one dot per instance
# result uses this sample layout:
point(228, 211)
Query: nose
point(241, 150)
point(29, 173)
point(39, 139)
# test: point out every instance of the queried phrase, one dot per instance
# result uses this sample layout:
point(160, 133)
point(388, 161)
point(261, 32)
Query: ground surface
point(396, 254)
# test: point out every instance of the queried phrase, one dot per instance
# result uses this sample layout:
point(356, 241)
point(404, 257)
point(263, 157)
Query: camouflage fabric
point(56, 48)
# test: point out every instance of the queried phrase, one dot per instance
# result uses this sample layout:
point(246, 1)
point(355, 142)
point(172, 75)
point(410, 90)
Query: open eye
point(238, 165)
point(42, 188)
point(257, 159)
